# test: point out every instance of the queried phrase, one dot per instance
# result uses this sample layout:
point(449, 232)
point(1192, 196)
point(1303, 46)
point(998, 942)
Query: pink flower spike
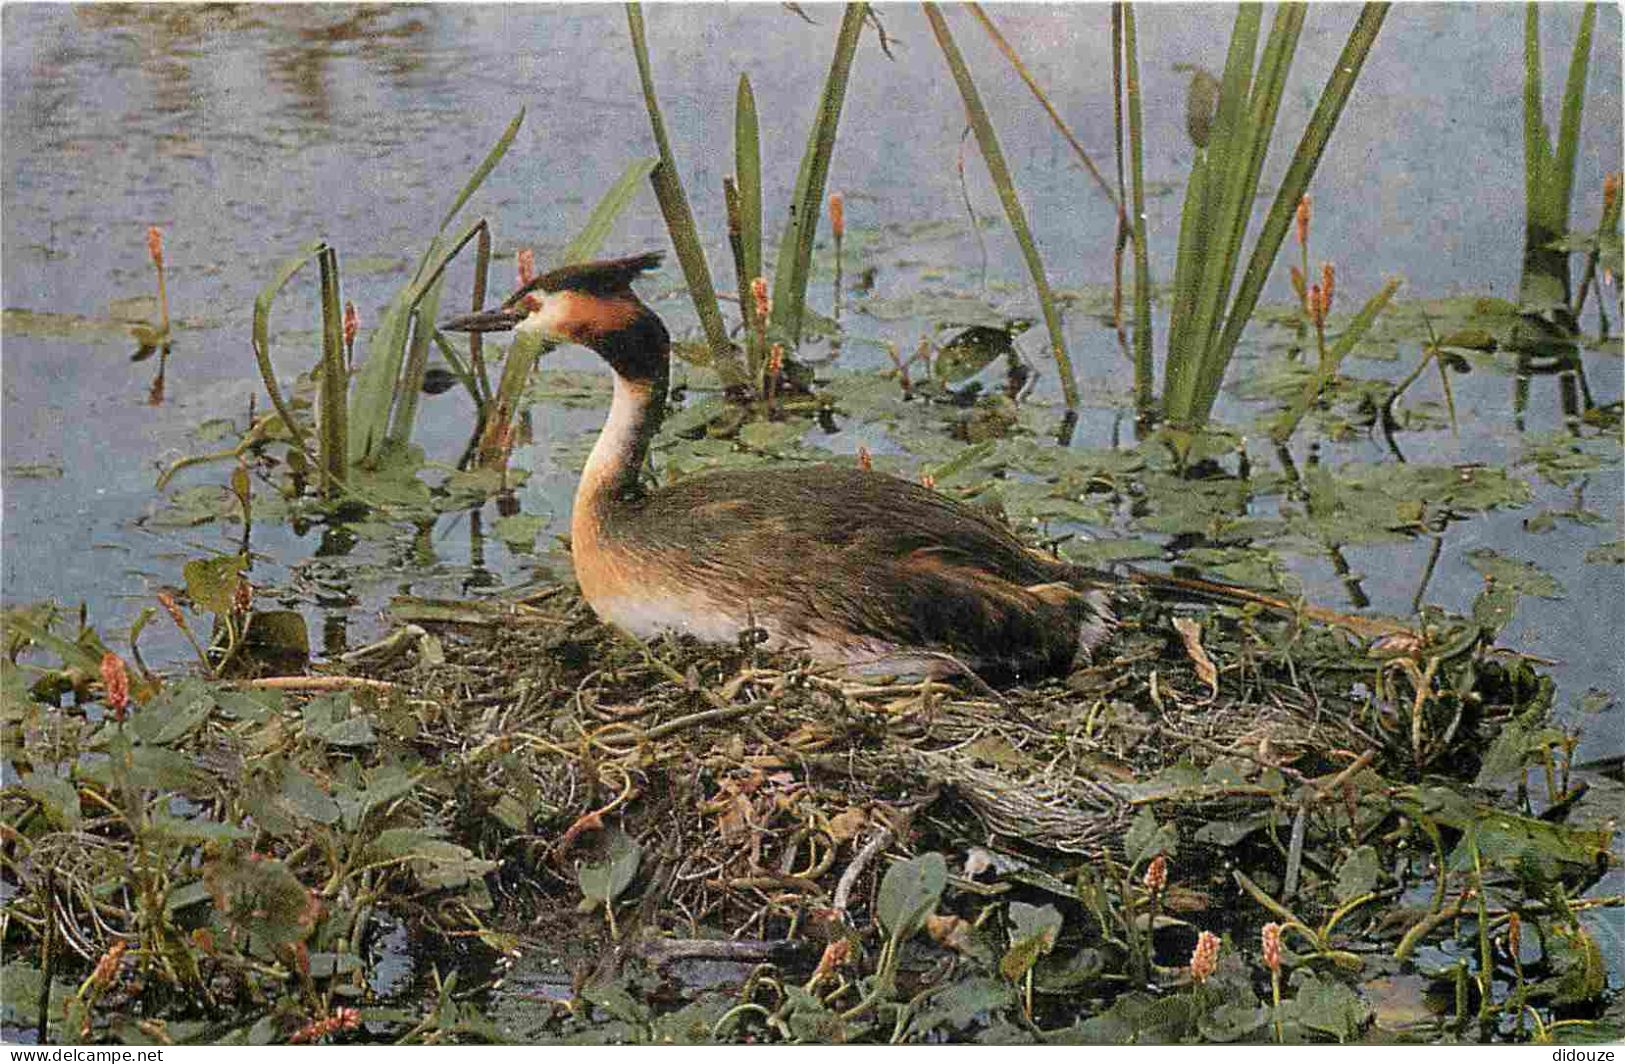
point(116, 680)
point(1205, 957)
point(1272, 946)
point(1156, 874)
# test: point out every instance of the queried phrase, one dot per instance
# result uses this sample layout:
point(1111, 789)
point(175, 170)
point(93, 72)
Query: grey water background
point(246, 131)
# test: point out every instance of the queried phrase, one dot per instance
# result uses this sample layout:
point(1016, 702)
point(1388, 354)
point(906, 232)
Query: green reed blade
point(1537, 143)
point(379, 386)
point(373, 394)
point(1180, 365)
point(744, 201)
point(685, 236)
point(459, 369)
point(1549, 177)
point(794, 264)
point(523, 354)
point(1247, 164)
point(993, 156)
point(488, 164)
point(333, 445)
point(748, 178)
point(1144, 371)
point(478, 382)
point(1245, 146)
point(410, 391)
point(747, 303)
point(262, 338)
point(1541, 284)
point(1328, 367)
point(1229, 155)
point(1568, 133)
point(1031, 82)
point(440, 256)
point(1301, 169)
point(602, 219)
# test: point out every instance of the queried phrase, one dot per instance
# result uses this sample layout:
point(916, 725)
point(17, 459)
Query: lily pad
point(1514, 573)
point(909, 892)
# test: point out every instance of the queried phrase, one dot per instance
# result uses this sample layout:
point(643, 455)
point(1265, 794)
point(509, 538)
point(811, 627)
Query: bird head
point(587, 303)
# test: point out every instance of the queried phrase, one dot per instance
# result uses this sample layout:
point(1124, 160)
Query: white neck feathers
point(613, 463)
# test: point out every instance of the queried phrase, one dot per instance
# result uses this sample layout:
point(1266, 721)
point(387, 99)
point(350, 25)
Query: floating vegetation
point(1088, 860)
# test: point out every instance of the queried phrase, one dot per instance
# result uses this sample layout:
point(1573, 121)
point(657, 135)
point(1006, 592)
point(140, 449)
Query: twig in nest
point(705, 716)
point(661, 951)
point(849, 878)
point(1335, 784)
point(319, 683)
point(594, 821)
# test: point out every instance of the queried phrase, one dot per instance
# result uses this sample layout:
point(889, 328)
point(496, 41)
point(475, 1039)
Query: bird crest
point(605, 278)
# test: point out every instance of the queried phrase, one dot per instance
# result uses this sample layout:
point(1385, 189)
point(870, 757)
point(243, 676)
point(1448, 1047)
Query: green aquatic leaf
point(974, 349)
point(909, 892)
point(1610, 553)
point(1146, 838)
point(1494, 608)
point(1104, 552)
point(772, 436)
point(35, 471)
point(977, 1000)
point(942, 309)
point(1137, 1018)
point(1358, 874)
point(178, 710)
point(519, 531)
point(194, 829)
point(1561, 459)
point(20, 986)
point(1514, 573)
point(603, 881)
point(18, 322)
point(198, 505)
point(152, 768)
point(1033, 931)
point(1582, 970)
point(262, 897)
point(1325, 1006)
point(306, 798)
point(332, 719)
point(211, 583)
point(16, 700)
point(57, 797)
point(436, 864)
point(1227, 833)
point(391, 478)
point(570, 388)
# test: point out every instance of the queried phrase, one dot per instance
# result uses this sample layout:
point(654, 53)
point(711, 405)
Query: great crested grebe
point(855, 567)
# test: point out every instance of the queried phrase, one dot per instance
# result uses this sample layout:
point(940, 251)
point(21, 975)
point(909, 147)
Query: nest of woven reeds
point(761, 778)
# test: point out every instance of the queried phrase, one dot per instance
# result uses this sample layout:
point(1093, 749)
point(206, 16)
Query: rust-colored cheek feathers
point(589, 319)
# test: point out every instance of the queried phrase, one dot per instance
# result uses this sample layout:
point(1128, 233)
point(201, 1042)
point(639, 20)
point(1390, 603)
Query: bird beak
point(498, 319)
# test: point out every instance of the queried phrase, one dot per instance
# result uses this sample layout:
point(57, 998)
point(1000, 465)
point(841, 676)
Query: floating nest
point(747, 773)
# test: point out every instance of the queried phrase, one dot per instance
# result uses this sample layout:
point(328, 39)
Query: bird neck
point(611, 474)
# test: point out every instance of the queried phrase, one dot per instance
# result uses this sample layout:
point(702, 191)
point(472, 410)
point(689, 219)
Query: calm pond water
point(246, 131)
